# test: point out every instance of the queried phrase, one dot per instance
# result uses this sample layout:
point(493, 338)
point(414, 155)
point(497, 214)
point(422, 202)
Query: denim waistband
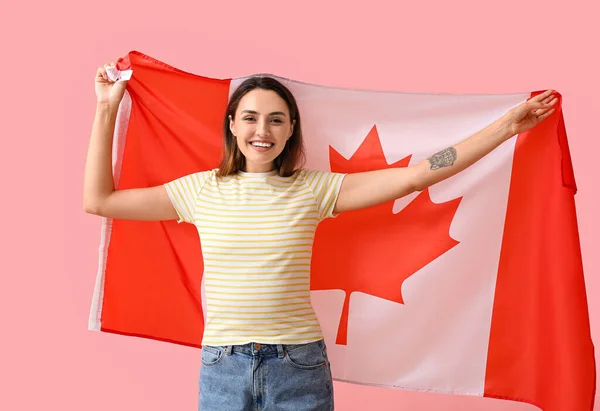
point(259, 349)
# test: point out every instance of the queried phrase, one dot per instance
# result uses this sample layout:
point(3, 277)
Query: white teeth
point(261, 144)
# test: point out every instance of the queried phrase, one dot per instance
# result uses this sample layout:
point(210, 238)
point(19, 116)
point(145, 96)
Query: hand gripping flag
point(473, 286)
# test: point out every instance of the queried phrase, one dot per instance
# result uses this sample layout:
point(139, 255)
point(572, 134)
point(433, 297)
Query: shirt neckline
point(265, 174)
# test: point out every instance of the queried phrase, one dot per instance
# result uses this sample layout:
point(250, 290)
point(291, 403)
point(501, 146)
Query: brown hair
point(291, 158)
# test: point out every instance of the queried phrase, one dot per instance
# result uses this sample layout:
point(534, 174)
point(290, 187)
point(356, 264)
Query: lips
point(261, 144)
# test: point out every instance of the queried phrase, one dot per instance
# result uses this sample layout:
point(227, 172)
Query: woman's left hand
point(532, 112)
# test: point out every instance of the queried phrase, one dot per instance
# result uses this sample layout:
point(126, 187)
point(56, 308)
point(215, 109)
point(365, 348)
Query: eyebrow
point(275, 113)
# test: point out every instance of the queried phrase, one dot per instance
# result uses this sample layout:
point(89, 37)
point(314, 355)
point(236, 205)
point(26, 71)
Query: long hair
point(291, 158)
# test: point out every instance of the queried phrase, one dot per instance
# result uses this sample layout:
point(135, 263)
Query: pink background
point(49, 55)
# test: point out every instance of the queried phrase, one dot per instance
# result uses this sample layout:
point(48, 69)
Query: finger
point(548, 102)
point(107, 66)
point(542, 96)
point(537, 105)
point(548, 114)
point(547, 105)
point(545, 94)
point(113, 64)
point(543, 111)
point(101, 72)
point(551, 99)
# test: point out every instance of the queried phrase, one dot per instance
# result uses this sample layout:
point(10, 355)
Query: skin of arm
point(99, 194)
point(360, 190)
point(98, 178)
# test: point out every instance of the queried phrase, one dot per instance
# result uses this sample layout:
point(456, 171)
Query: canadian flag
point(473, 286)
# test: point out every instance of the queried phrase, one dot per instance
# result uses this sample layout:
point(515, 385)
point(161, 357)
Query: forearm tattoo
point(444, 158)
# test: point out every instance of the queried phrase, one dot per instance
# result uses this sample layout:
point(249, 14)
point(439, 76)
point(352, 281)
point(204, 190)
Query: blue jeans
point(266, 377)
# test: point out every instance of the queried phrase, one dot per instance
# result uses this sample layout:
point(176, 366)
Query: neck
point(258, 168)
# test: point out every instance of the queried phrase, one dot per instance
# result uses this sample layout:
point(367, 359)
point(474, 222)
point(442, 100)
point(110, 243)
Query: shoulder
point(318, 176)
point(193, 180)
point(205, 175)
point(306, 173)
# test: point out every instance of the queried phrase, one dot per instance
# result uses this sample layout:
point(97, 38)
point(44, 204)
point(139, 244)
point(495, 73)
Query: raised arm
point(99, 194)
point(360, 190)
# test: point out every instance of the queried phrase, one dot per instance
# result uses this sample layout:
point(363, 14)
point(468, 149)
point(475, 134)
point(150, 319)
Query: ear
point(231, 125)
point(292, 129)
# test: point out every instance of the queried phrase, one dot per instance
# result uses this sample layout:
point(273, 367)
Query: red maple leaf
point(374, 250)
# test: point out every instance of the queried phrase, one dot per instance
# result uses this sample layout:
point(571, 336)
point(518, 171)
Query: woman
point(256, 216)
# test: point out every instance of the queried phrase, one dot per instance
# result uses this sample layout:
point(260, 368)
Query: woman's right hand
point(107, 91)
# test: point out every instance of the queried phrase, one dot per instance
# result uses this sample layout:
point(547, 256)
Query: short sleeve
point(326, 189)
point(183, 193)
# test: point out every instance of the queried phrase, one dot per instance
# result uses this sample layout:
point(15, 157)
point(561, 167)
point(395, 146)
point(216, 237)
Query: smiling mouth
point(261, 144)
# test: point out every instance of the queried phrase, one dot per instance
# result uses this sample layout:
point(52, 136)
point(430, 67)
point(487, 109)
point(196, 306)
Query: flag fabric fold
point(473, 286)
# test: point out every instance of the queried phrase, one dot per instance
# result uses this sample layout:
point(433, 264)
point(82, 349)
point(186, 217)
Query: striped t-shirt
point(256, 232)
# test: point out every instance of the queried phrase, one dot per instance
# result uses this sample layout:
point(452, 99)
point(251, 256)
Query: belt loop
point(280, 351)
point(229, 349)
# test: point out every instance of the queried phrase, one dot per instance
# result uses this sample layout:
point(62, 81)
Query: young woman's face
point(262, 126)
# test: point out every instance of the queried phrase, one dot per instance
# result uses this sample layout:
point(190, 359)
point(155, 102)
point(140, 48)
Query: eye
point(248, 118)
point(278, 121)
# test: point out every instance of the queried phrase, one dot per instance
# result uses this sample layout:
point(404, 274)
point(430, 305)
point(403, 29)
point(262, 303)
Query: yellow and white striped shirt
point(256, 232)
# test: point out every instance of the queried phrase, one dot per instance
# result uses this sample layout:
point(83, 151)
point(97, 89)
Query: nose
point(262, 128)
